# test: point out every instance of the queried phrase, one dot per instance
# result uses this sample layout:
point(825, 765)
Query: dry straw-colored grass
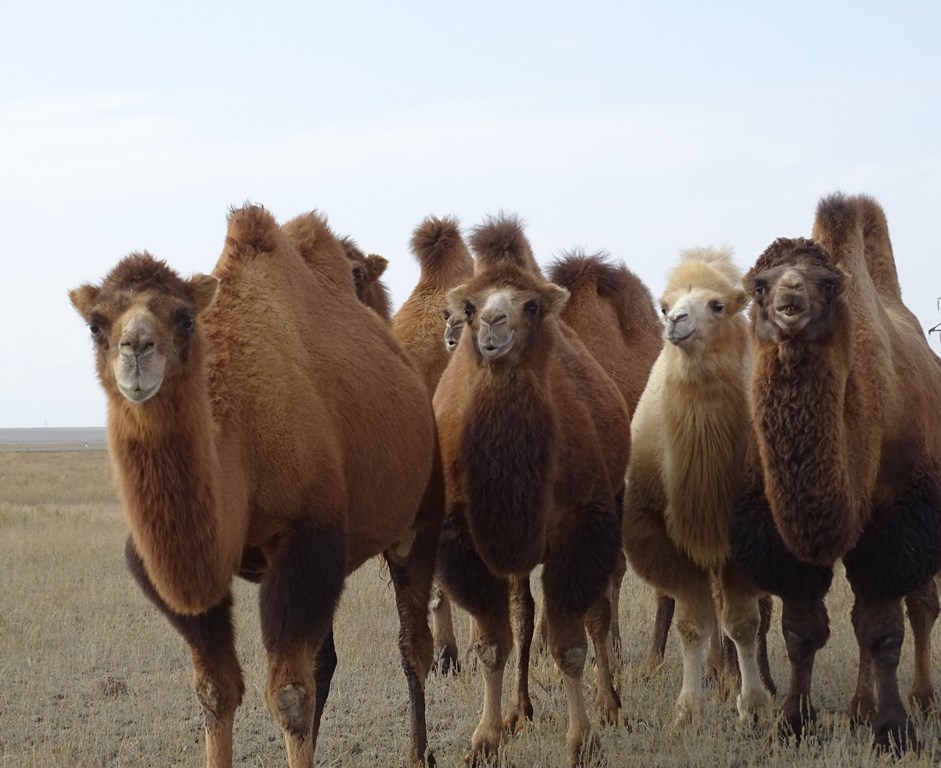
point(91, 675)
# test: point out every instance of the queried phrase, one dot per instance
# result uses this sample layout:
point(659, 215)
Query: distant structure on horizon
point(937, 328)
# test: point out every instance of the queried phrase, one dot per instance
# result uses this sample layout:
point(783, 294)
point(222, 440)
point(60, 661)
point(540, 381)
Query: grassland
point(91, 675)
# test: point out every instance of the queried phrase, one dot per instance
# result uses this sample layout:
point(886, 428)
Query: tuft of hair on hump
point(575, 267)
point(437, 241)
point(252, 230)
point(720, 259)
point(500, 240)
point(142, 271)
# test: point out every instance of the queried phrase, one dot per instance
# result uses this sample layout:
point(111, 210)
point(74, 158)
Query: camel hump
point(575, 268)
point(500, 240)
point(252, 231)
point(438, 245)
point(853, 226)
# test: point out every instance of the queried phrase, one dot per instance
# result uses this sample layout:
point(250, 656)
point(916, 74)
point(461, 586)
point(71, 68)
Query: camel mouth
point(679, 339)
point(493, 351)
point(137, 393)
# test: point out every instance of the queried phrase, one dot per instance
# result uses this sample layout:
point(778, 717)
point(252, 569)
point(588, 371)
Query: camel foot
point(447, 662)
point(922, 700)
point(862, 707)
point(485, 744)
point(689, 711)
point(650, 667)
point(796, 720)
point(516, 718)
point(608, 707)
point(894, 734)
point(753, 706)
point(584, 749)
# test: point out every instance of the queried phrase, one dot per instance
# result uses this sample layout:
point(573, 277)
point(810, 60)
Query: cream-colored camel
point(688, 440)
point(236, 452)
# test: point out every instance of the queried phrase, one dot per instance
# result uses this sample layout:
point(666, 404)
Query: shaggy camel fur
point(688, 440)
point(236, 452)
point(521, 410)
point(444, 263)
point(844, 461)
point(613, 313)
point(367, 271)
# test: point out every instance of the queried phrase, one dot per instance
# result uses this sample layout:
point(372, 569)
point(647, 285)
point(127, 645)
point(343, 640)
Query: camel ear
point(555, 297)
point(203, 289)
point(376, 265)
point(739, 300)
point(83, 298)
point(455, 299)
point(842, 281)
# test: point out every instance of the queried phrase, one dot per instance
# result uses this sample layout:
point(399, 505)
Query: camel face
point(453, 325)
point(693, 317)
point(794, 292)
point(504, 320)
point(142, 320)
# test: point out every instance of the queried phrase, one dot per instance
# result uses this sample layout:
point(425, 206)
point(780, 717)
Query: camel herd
point(274, 420)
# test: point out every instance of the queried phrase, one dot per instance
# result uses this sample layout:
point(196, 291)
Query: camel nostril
point(680, 318)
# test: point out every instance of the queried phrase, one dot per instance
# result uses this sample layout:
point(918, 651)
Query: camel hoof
point(689, 711)
point(447, 662)
point(894, 734)
point(862, 707)
point(584, 749)
point(922, 700)
point(796, 721)
point(608, 708)
point(753, 706)
point(516, 718)
point(650, 668)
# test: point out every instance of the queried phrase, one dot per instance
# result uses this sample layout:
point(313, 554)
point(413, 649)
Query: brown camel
point(844, 460)
point(444, 263)
point(688, 441)
point(612, 312)
point(236, 452)
point(523, 411)
point(367, 271)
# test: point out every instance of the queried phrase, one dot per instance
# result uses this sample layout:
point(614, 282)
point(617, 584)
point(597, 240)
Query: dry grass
point(91, 675)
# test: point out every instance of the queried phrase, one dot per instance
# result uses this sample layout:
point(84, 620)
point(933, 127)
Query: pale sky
point(636, 128)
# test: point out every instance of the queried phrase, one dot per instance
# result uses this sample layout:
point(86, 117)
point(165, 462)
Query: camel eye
point(95, 329)
point(829, 286)
point(359, 274)
point(186, 323)
point(716, 306)
point(531, 307)
point(663, 310)
point(759, 287)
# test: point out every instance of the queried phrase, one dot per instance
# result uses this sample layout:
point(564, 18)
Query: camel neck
point(166, 471)
point(799, 402)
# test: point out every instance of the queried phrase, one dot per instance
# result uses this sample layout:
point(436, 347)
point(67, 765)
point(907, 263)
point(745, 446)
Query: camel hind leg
point(298, 597)
point(741, 621)
point(442, 630)
point(217, 674)
point(923, 609)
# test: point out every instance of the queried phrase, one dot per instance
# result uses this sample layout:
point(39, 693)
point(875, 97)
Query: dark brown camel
point(844, 460)
point(519, 394)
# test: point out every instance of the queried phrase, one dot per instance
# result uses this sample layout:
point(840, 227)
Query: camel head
point(453, 325)
point(143, 323)
point(504, 308)
point(703, 292)
point(795, 286)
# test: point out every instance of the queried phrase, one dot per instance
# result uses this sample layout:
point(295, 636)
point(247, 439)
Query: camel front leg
point(880, 630)
point(806, 628)
point(695, 616)
point(741, 621)
point(298, 598)
point(216, 671)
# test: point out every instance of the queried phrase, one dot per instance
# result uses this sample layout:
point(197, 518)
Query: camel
point(367, 271)
point(521, 410)
point(688, 440)
point(843, 462)
point(612, 312)
point(235, 452)
point(444, 262)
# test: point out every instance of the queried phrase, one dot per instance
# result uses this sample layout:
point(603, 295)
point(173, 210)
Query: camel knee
point(218, 701)
point(572, 660)
point(292, 707)
point(692, 632)
point(743, 631)
point(491, 655)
